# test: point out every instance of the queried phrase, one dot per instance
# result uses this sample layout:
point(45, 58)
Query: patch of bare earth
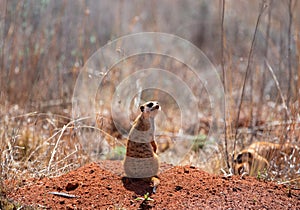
point(93, 187)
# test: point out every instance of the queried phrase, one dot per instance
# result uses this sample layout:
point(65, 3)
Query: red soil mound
point(92, 187)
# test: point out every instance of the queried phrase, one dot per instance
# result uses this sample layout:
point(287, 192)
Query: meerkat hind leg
point(155, 181)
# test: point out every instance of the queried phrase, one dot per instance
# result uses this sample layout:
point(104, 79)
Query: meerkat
point(141, 160)
point(258, 155)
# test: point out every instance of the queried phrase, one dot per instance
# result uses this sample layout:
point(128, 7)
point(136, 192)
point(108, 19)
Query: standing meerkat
point(141, 160)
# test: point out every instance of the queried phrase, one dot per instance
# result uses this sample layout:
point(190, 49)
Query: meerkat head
point(244, 156)
point(242, 162)
point(150, 108)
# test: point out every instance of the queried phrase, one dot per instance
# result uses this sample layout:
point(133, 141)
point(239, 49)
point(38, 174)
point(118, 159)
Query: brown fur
point(258, 155)
point(139, 149)
point(141, 160)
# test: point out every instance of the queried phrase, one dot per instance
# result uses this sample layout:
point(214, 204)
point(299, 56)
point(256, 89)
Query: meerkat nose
point(155, 107)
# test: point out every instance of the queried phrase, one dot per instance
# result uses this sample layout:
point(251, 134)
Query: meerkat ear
point(142, 108)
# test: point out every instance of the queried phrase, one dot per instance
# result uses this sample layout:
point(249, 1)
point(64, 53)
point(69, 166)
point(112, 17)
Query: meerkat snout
point(155, 107)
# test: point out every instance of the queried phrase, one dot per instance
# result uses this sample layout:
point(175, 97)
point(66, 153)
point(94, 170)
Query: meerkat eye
point(142, 108)
point(150, 105)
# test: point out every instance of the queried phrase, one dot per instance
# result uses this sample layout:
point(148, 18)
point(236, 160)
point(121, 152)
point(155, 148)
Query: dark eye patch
point(150, 105)
point(243, 157)
point(142, 108)
point(239, 158)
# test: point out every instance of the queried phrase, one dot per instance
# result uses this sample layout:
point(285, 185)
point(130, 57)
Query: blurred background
point(45, 43)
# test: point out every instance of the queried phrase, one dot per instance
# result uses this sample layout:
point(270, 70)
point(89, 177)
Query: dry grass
point(44, 45)
point(38, 144)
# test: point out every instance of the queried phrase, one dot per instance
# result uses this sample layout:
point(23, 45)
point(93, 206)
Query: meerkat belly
point(140, 160)
point(139, 150)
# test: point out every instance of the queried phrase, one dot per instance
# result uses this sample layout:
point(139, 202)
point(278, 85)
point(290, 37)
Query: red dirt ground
point(94, 187)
